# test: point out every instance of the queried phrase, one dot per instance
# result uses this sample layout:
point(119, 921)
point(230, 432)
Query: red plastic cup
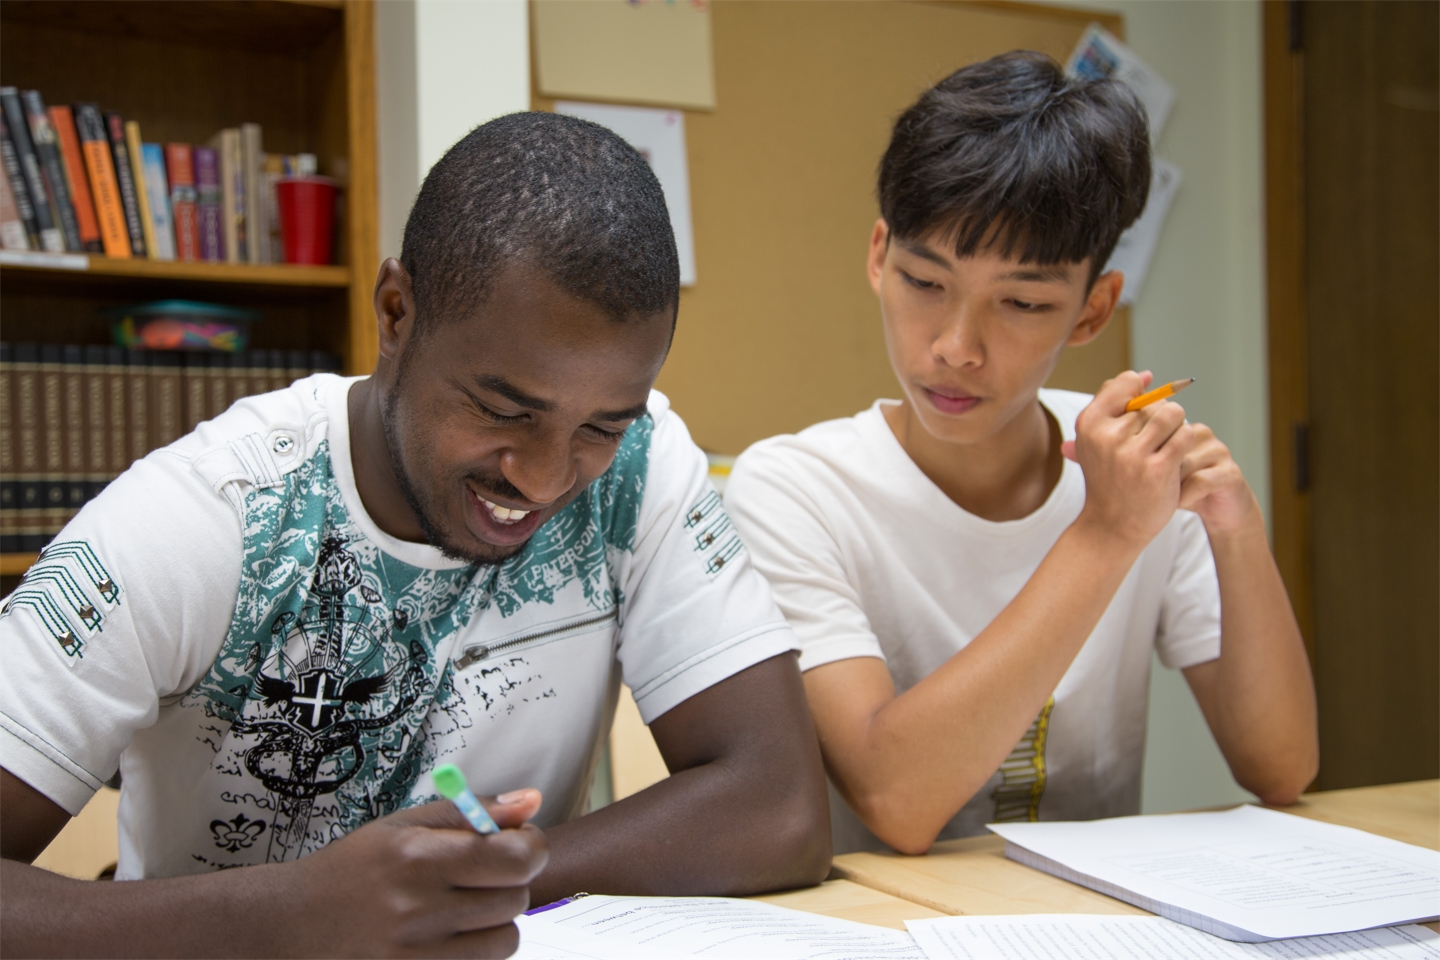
point(307, 218)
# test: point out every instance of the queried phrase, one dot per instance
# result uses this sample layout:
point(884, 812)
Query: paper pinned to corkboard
point(648, 52)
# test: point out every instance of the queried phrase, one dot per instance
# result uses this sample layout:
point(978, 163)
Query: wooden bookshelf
point(302, 69)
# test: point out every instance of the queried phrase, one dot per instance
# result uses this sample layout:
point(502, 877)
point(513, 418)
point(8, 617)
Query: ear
point(394, 309)
point(1099, 307)
point(875, 262)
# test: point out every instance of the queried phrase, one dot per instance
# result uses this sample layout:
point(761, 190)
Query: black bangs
point(1012, 156)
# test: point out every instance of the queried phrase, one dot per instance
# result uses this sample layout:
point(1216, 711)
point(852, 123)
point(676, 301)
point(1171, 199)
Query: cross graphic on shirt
point(317, 692)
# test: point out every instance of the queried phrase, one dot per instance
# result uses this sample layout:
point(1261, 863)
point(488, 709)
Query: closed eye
point(607, 436)
point(499, 418)
point(1026, 306)
point(918, 283)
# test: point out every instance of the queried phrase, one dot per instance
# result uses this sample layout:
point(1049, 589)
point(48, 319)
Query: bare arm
point(743, 811)
point(416, 883)
point(1258, 697)
point(907, 764)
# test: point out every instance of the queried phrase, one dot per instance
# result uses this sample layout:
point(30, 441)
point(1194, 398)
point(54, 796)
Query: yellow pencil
point(1159, 393)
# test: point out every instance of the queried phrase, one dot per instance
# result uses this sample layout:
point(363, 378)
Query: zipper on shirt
point(476, 654)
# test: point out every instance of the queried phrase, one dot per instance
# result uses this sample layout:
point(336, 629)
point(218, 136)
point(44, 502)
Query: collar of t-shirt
point(916, 489)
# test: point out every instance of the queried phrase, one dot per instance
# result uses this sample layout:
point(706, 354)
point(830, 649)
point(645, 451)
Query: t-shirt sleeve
point(1190, 609)
point(126, 608)
point(773, 497)
point(693, 609)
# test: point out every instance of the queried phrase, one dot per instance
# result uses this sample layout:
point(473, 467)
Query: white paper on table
point(1244, 874)
point(1102, 54)
point(1137, 245)
point(659, 136)
point(1090, 937)
point(713, 927)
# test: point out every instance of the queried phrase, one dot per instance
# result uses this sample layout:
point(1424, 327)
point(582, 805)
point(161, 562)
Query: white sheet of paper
point(659, 135)
point(1102, 54)
point(710, 927)
point(1087, 937)
point(1244, 874)
point(1136, 248)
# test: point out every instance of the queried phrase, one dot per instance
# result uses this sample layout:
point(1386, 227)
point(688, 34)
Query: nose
point(541, 467)
point(961, 342)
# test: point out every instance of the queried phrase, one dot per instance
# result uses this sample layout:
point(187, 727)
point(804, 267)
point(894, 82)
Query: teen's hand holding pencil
point(1132, 458)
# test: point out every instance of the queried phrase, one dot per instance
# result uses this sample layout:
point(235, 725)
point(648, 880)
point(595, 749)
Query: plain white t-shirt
point(869, 558)
point(270, 670)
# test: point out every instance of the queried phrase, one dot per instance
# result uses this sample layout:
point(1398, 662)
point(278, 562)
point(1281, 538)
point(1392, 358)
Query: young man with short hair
point(977, 612)
point(278, 625)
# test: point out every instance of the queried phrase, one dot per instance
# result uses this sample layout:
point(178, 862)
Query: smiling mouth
point(505, 515)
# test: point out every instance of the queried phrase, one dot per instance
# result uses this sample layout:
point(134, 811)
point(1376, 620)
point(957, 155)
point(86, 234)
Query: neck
point(1006, 476)
point(375, 480)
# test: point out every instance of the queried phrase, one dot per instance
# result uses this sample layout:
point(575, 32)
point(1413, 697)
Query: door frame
point(1283, 78)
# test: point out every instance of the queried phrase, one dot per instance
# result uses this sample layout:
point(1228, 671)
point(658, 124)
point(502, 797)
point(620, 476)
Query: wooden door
point(1370, 282)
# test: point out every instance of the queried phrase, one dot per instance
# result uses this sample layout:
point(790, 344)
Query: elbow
point(794, 847)
point(896, 822)
point(1283, 784)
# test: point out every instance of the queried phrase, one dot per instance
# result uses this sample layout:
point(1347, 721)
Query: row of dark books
point(82, 181)
point(73, 418)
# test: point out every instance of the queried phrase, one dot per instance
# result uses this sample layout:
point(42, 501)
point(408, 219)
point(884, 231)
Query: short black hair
point(564, 194)
point(1012, 155)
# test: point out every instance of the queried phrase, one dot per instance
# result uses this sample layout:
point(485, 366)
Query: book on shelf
point(125, 176)
point(18, 127)
point(76, 179)
point(12, 228)
point(16, 181)
point(52, 167)
point(142, 194)
point(73, 418)
point(104, 187)
point(228, 154)
point(181, 175)
point(208, 205)
point(157, 194)
point(252, 158)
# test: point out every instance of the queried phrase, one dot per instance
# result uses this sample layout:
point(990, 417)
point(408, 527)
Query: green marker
point(451, 784)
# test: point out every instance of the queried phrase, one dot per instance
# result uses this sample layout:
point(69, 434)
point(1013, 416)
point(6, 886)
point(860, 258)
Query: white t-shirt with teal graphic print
point(270, 670)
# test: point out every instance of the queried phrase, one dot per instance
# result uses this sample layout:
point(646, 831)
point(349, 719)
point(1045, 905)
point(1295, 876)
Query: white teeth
point(504, 514)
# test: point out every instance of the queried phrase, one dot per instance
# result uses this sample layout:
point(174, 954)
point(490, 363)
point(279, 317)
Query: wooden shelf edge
point(15, 564)
point(261, 274)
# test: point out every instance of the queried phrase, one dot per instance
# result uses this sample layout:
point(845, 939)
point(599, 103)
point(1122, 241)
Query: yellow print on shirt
point(1022, 775)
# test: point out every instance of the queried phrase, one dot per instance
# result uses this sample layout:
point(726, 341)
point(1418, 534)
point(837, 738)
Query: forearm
point(211, 915)
point(923, 754)
point(712, 830)
point(1262, 709)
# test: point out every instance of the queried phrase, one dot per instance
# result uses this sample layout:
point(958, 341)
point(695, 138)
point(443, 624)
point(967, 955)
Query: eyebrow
point(924, 253)
point(508, 390)
point(1043, 274)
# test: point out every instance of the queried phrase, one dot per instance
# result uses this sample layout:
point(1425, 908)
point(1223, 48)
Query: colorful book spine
point(142, 195)
point(51, 237)
point(52, 167)
point(208, 204)
point(100, 168)
point(12, 227)
point(75, 177)
point(157, 192)
point(125, 176)
point(181, 174)
point(16, 179)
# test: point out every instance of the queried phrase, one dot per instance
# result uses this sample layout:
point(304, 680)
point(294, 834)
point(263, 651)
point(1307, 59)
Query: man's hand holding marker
point(428, 881)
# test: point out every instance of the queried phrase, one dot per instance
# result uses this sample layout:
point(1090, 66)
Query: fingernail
point(514, 796)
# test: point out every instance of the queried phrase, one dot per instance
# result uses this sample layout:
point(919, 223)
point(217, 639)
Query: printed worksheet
point(1244, 874)
point(1108, 937)
point(613, 927)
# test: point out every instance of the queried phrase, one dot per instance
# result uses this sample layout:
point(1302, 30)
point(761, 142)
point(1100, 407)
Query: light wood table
point(972, 876)
point(851, 901)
